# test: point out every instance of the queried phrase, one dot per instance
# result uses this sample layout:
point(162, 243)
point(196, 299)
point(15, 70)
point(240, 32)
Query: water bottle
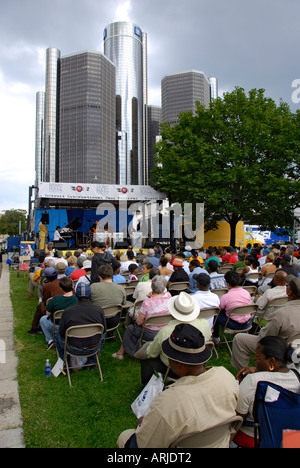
point(48, 368)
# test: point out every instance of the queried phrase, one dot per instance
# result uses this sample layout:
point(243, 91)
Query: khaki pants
point(243, 346)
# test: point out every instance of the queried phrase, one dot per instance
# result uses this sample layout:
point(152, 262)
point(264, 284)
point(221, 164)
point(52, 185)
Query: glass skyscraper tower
point(126, 46)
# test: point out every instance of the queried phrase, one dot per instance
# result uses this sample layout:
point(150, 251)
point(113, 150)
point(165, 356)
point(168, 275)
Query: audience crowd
point(85, 285)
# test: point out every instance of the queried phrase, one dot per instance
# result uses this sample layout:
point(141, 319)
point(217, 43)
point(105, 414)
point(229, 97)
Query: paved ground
point(11, 432)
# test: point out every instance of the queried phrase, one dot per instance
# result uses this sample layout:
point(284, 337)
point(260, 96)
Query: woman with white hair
point(156, 304)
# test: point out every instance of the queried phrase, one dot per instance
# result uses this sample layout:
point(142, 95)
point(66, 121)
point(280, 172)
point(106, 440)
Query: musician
point(57, 236)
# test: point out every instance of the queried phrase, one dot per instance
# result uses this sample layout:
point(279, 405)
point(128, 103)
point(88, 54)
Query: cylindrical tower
point(51, 113)
point(125, 46)
point(213, 87)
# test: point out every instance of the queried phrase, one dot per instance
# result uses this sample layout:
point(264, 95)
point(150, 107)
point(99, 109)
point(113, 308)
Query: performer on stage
point(57, 236)
point(43, 235)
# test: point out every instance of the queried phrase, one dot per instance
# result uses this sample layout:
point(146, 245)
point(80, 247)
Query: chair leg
point(68, 370)
point(99, 368)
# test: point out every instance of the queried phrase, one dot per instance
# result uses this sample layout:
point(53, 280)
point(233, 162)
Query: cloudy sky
point(247, 43)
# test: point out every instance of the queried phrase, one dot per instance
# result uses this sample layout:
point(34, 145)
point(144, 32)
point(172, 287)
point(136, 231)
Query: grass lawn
point(92, 413)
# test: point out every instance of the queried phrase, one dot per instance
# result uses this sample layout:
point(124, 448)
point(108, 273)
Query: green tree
point(240, 157)
point(9, 222)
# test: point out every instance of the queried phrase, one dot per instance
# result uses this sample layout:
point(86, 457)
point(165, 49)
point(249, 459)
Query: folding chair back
point(270, 308)
point(111, 312)
point(251, 289)
point(275, 410)
point(252, 276)
point(218, 436)
point(220, 291)
point(56, 316)
point(157, 321)
point(248, 309)
point(83, 332)
point(227, 267)
point(208, 312)
point(179, 286)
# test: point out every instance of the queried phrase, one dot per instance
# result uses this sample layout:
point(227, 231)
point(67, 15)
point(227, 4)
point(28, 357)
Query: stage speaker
point(60, 245)
point(149, 244)
point(45, 218)
point(121, 245)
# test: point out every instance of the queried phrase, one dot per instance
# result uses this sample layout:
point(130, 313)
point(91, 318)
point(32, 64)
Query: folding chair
point(271, 307)
point(223, 269)
point(156, 321)
point(251, 276)
point(218, 436)
point(56, 316)
point(111, 312)
point(251, 289)
point(275, 410)
point(180, 286)
point(83, 332)
point(220, 291)
point(207, 313)
point(240, 310)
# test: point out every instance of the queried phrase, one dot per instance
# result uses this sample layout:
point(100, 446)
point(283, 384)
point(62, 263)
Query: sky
point(245, 43)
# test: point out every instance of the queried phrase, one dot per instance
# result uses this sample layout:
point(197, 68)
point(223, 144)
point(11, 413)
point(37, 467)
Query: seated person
point(236, 296)
point(252, 266)
point(270, 366)
point(279, 290)
point(204, 296)
point(72, 260)
point(185, 309)
point(59, 302)
point(164, 270)
point(194, 270)
point(133, 271)
point(217, 280)
point(118, 278)
point(156, 304)
point(82, 313)
point(200, 399)
point(178, 274)
point(146, 267)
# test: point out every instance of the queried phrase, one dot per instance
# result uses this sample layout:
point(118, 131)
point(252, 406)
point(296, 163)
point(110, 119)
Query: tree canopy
point(9, 222)
point(240, 157)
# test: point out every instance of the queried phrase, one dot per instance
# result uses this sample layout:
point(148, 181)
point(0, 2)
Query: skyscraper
point(180, 91)
point(87, 116)
point(39, 136)
point(51, 112)
point(126, 46)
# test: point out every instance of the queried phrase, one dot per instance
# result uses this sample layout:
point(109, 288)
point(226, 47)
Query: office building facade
point(126, 46)
point(180, 91)
point(39, 136)
point(87, 116)
point(154, 121)
point(49, 164)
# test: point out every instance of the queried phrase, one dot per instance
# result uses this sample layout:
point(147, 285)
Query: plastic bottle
point(48, 368)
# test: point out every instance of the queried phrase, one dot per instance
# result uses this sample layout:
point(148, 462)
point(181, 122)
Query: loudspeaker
point(60, 245)
point(121, 245)
point(45, 218)
point(149, 244)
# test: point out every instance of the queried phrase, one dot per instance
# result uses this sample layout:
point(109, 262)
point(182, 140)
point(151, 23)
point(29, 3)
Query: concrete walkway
point(11, 432)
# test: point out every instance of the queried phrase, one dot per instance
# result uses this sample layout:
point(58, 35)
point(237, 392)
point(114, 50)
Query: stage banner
point(99, 192)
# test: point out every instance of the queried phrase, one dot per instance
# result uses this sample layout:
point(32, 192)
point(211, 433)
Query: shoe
point(50, 345)
point(216, 340)
point(118, 356)
point(32, 332)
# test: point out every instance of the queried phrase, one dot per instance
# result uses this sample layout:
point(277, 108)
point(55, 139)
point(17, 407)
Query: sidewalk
point(11, 432)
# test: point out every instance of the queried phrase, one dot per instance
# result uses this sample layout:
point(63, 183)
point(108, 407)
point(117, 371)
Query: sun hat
point(186, 345)
point(184, 307)
point(177, 262)
point(87, 264)
point(83, 290)
point(61, 267)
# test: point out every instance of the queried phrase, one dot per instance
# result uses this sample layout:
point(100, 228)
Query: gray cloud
point(247, 43)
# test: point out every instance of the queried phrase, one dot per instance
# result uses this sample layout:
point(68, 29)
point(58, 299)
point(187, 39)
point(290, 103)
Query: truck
point(220, 237)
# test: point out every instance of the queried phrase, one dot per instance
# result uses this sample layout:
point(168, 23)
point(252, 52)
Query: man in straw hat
point(200, 399)
point(184, 309)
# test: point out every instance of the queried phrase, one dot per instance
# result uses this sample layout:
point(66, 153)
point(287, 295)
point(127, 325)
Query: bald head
point(280, 278)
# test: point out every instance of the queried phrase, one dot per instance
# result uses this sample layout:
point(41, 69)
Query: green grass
point(92, 413)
